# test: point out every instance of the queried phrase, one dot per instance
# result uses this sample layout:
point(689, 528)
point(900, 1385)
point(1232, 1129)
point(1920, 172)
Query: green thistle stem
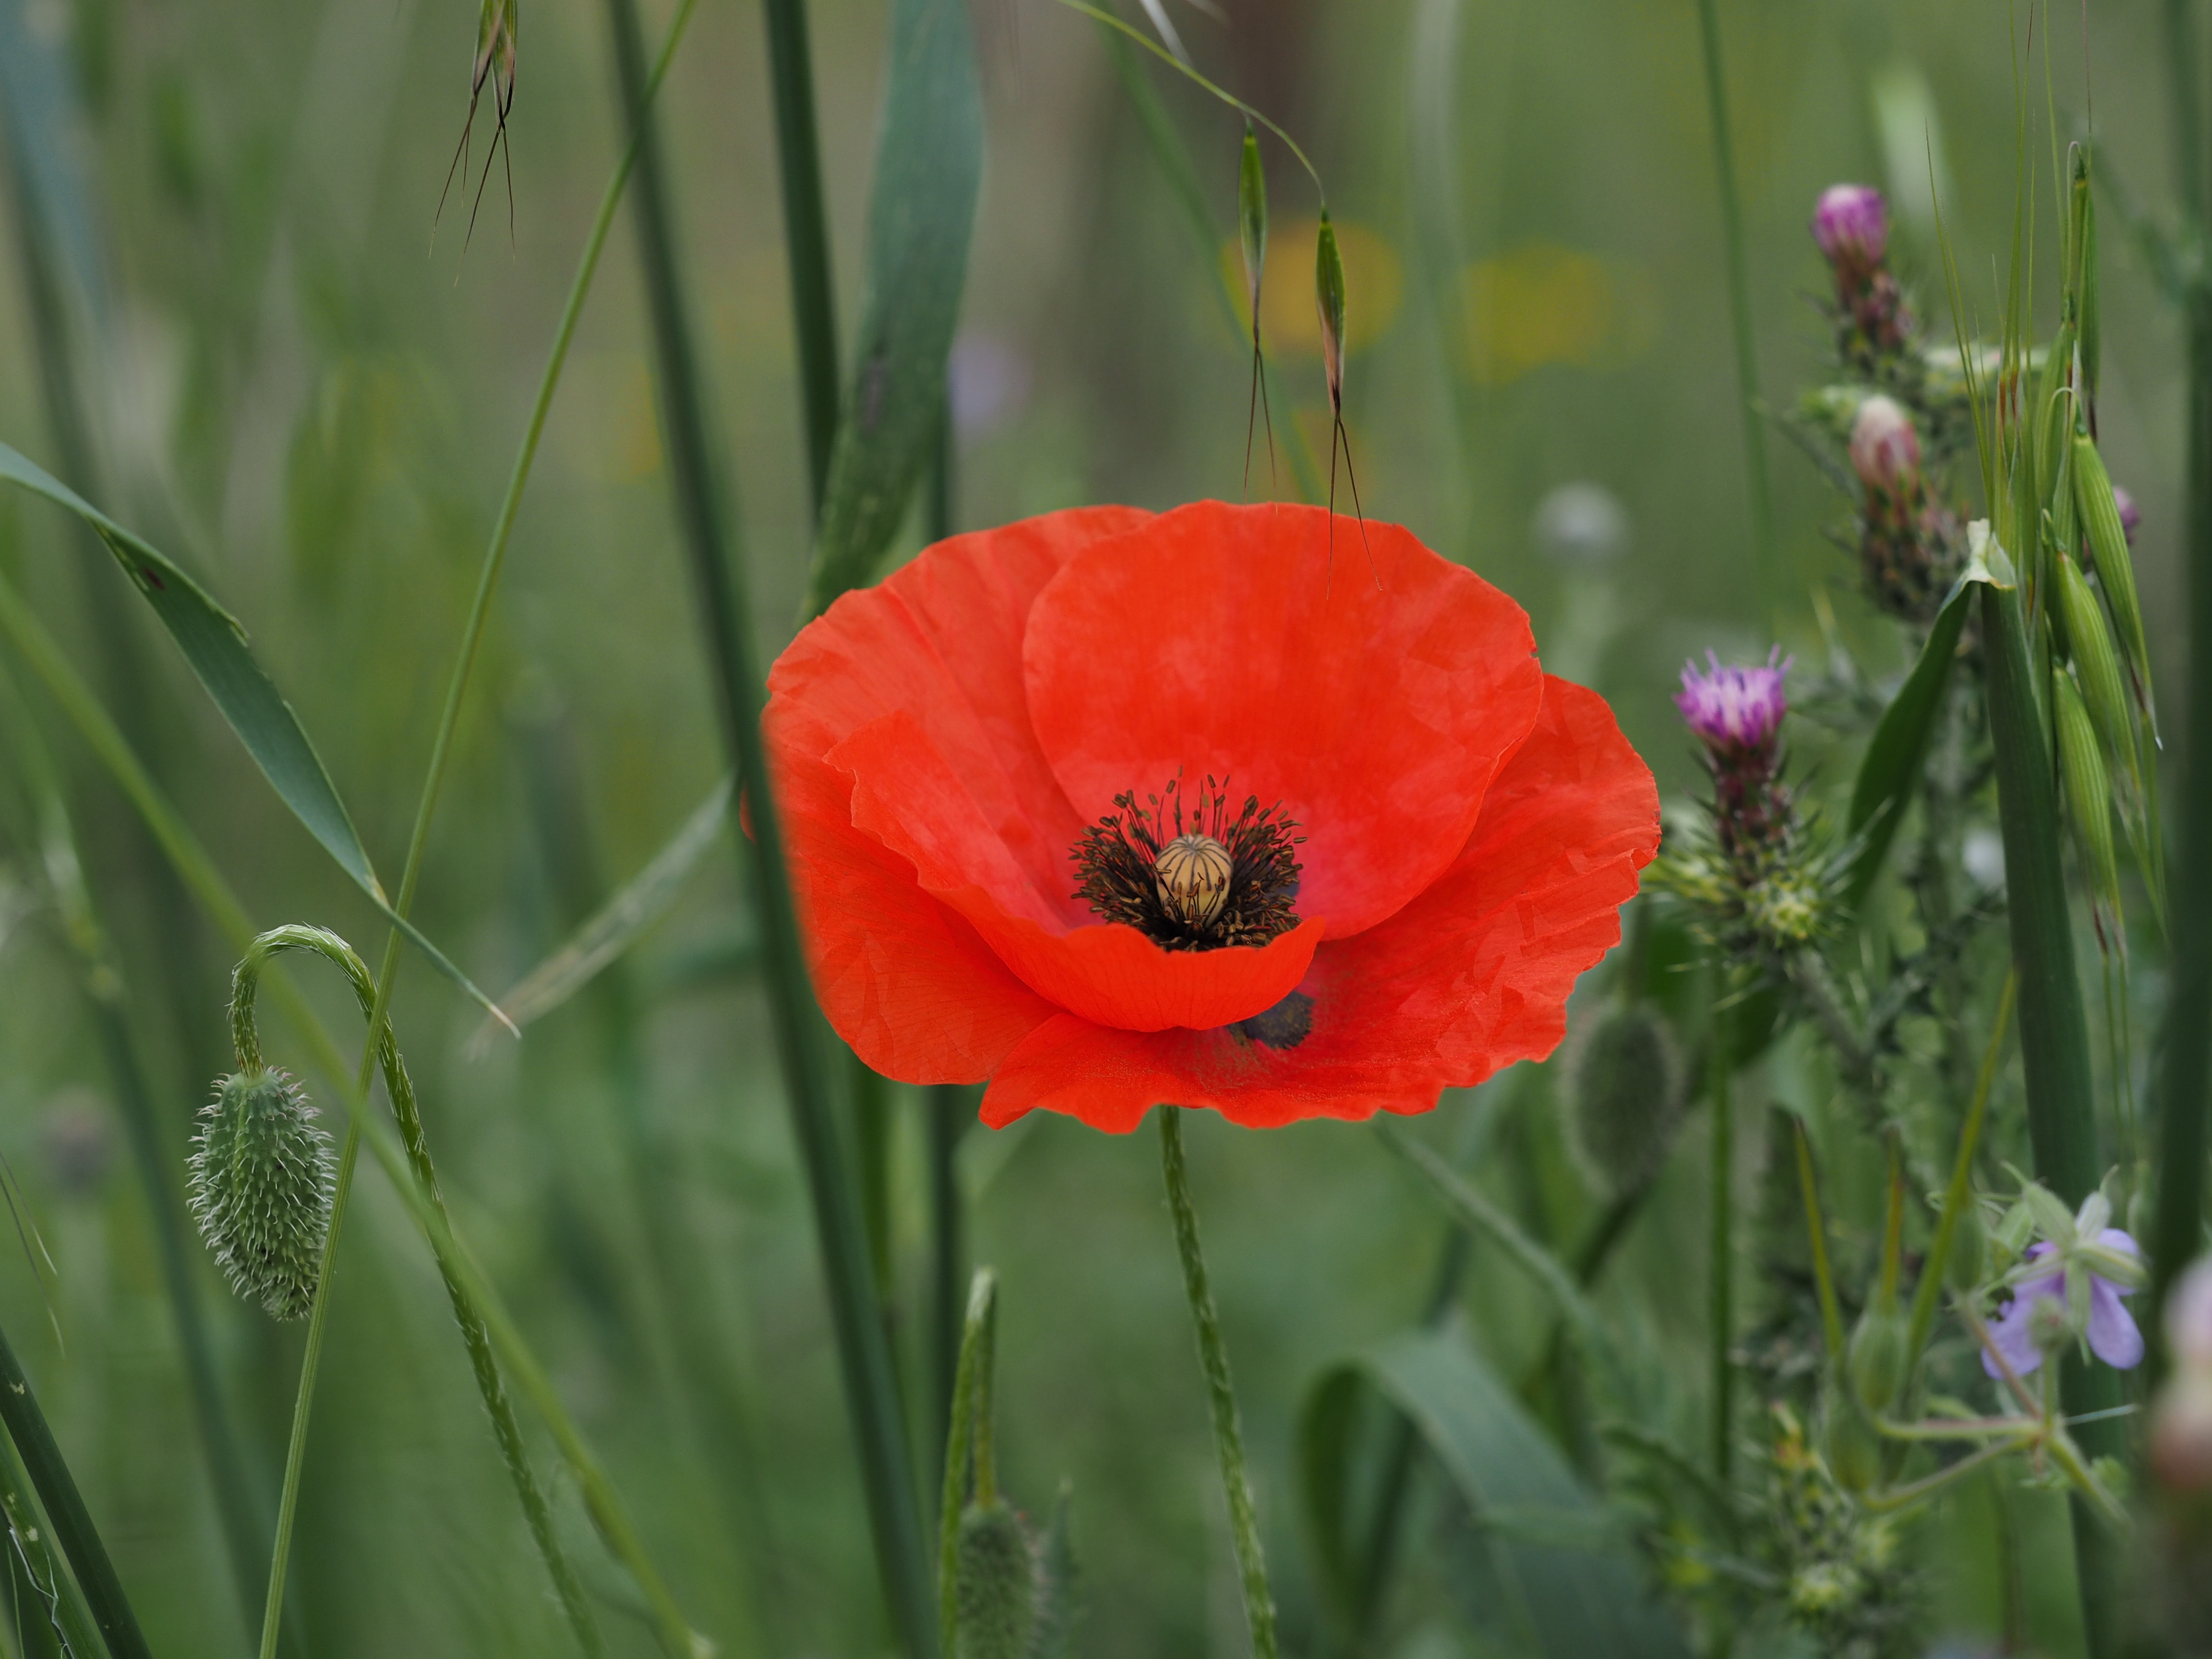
point(1221, 1395)
point(1739, 280)
point(1722, 1288)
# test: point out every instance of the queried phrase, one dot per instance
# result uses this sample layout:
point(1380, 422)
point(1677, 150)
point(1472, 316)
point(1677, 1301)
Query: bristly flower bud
point(1910, 543)
point(261, 1179)
point(1873, 328)
point(995, 1591)
point(1624, 1098)
point(1851, 221)
point(1736, 714)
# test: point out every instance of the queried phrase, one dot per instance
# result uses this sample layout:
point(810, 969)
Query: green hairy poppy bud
point(1624, 1098)
point(1876, 1362)
point(260, 1186)
point(996, 1597)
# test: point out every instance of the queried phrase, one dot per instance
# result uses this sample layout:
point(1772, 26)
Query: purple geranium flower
point(1851, 221)
point(2112, 1334)
point(1735, 710)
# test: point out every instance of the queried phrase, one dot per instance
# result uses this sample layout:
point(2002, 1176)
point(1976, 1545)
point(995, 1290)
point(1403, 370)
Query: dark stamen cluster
point(1118, 858)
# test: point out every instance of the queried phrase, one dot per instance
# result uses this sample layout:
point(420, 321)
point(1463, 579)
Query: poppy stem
point(1221, 1393)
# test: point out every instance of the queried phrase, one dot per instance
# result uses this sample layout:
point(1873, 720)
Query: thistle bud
point(996, 1591)
point(1910, 541)
point(260, 1185)
point(1873, 327)
point(1851, 221)
point(1876, 1363)
point(1624, 1097)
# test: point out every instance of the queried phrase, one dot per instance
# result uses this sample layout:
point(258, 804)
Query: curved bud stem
point(245, 980)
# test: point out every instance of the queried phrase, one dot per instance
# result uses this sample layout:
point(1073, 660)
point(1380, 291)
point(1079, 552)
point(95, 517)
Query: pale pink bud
point(1885, 449)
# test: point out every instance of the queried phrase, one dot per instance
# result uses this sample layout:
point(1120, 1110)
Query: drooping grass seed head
point(1328, 297)
point(260, 1179)
point(1252, 218)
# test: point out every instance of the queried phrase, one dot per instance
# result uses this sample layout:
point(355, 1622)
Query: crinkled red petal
point(1375, 701)
point(1470, 977)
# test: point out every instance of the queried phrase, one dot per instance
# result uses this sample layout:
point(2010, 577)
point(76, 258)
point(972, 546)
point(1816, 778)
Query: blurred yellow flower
point(1374, 286)
point(1541, 303)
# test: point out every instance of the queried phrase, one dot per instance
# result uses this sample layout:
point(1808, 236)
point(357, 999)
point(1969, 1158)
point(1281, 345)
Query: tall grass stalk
point(871, 1385)
point(62, 1618)
point(534, 1506)
point(2186, 1079)
point(1721, 1295)
point(805, 234)
point(66, 1513)
point(1756, 479)
point(2054, 1037)
point(1220, 1392)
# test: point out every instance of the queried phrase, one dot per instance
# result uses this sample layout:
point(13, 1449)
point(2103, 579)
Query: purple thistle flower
point(2112, 1334)
point(1735, 711)
point(1851, 222)
point(2131, 514)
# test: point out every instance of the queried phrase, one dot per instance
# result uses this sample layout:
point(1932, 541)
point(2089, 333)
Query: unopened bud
point(1962, 1268)
point(1624, 1098)
point(2181, 1432)
point(1876, 1361)
point(995, 1599)
point(1885, 448)
point(1852, 1447)
point(260, 1183)
point(1851, 221)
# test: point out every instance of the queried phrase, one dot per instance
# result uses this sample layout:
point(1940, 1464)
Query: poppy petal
point(905, 795)
point(1377, 704)
point(941, 639)
point(1471, 976)
point(903, 978)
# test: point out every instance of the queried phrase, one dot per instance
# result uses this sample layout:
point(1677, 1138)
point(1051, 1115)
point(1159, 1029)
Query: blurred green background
point(309, 386)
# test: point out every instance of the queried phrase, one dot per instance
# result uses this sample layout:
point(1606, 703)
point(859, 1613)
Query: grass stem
point(1221, 1395)
point(805, 234)
point(871, 1385)
point(1722, 1292)
point(1757, 480)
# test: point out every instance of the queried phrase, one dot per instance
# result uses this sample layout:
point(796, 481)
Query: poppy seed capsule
point(1193, 873)
point(260, 1179)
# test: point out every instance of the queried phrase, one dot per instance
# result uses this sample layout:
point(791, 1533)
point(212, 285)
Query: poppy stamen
point(1207, 881)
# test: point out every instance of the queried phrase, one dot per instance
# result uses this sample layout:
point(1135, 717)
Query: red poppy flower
point(1114, 809)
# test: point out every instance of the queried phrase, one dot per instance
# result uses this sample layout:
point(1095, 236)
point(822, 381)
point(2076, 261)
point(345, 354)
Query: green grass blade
point(214, 645)
point(921, 215)
point(1553, 1574)
point(1757, 480)
point(1892, 765)
point(617, 924)
point(871, 1384)
point(806, 233)
point(72, 1522)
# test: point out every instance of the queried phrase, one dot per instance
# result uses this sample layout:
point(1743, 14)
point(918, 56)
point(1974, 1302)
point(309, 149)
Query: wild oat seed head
point(260, 1184)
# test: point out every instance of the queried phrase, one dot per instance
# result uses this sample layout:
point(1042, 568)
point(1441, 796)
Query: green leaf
point(214, 645)
point(1895, 757)
point(929, 170)
point(1552, 1572)
point(616, 925)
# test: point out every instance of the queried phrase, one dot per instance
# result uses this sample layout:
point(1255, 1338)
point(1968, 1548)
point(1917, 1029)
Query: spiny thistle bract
point(261, 1177)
